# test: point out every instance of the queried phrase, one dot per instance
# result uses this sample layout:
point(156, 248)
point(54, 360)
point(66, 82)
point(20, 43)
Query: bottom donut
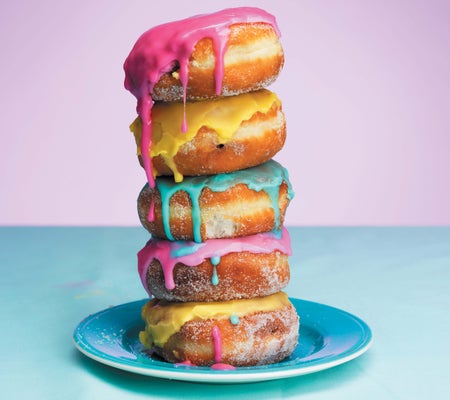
point(234, 333)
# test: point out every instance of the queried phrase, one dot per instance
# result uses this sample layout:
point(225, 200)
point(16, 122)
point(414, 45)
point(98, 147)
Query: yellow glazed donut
point(222, 135)
point(239, 333)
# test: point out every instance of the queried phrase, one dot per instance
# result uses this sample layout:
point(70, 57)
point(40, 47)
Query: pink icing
point(157, 51)
point(162, 250)
point(216, 366)
point(222, 366)
point(186, 363)
point(217, 338)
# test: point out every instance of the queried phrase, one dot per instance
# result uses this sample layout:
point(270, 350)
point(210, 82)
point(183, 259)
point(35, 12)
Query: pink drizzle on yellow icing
point(217, 338)
point(170, 253)
point(158, 50)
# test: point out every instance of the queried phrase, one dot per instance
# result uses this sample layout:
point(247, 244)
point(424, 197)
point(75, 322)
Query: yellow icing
point(224, 115)
point(164, 319)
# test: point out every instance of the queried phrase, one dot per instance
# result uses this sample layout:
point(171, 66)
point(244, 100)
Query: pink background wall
point(365, 88)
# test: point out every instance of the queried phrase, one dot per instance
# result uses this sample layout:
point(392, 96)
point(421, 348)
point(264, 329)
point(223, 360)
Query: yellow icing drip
point(163, 319)
point(224, 115)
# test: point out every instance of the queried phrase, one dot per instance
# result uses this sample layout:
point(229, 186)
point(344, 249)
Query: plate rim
point(240, 375)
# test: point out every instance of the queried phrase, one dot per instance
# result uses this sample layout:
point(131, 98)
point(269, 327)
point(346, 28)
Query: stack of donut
point(214, 203)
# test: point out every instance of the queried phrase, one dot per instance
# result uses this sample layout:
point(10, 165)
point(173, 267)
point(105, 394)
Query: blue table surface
point(395, 279)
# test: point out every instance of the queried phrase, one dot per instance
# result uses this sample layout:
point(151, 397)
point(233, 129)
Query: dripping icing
point(191, 254)
point(265, 177)
point(163, 318)
point(185, 363)
point(215, 277)
point(151, 57)
point(217, 338)
point(223, 115)
point(215, 260)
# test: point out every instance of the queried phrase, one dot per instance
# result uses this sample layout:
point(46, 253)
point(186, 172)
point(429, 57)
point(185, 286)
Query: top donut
point(226, 53)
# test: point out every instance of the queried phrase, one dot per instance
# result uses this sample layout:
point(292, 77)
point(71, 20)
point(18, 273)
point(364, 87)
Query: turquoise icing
point(215, 260)
point(234, 319)
point(214, 278)
point(267, 177)
point(180, 249)
point(278, 233)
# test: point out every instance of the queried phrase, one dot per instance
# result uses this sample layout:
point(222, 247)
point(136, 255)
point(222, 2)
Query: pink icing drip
point(161, 250)
point(186, 363)
point(222, 366)
point(216, 366)
point(217, 338)
point(151, 211)
point(157, 51)
point(145, 106)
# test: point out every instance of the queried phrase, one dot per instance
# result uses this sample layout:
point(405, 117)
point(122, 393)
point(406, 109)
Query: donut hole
point(174, 68)
point(274, 330)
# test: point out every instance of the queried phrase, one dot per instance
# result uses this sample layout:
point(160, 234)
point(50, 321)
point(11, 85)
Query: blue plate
point(328, 337)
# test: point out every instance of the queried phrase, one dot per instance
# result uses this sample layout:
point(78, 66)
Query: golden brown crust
point(259, 338)
point(253, 60)
point(240, 276)
point(207, 155)
point(238, 211)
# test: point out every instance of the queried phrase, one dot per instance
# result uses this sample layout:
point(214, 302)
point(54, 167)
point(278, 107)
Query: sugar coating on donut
point(219, 227)
point(252, 60)
point(238, 276)
point(241, 203)
point(217, 269)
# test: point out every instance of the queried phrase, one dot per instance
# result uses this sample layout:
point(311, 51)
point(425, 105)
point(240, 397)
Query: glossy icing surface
point(223, 115)
point(217, 338)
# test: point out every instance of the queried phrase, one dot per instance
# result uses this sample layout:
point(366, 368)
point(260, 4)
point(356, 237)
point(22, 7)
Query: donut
point(217, 269)
point(222, 135)
point(253, 60)
point(235, 333)
point(229, 52)
point(214, 203)
point(240, 203)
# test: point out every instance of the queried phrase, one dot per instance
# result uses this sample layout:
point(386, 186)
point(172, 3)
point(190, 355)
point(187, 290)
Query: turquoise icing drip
point(278, 233)
point(214, 278)
point(234, 319)
point(215, 260)
point(167, 188)
point(267, 177)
